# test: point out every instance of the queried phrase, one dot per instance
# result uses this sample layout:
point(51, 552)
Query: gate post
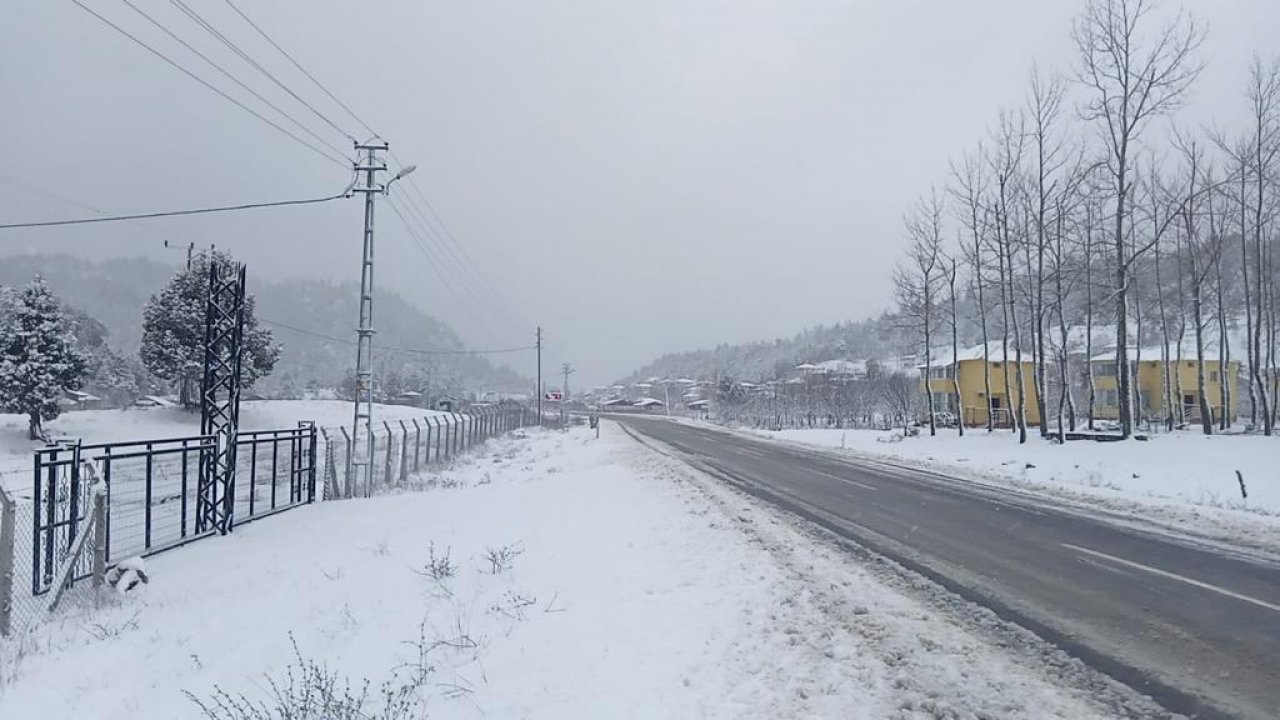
point(310, 444)
point(8, 518)
point(99, 538)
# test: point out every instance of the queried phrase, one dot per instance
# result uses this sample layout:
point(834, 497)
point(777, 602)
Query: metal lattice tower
point(220, 395)
point(362, 427)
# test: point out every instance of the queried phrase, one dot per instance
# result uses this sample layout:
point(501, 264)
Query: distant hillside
point(113, 292)
point(858, 340)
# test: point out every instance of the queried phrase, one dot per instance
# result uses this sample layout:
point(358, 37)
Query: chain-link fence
point(402, 448)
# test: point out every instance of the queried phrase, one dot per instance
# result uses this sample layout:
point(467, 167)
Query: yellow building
point(959, 385)
point(1184, 385)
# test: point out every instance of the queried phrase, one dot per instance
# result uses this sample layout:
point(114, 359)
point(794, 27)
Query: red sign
point(555, 395)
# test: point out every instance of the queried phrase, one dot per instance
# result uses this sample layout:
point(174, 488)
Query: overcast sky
point(637, 177)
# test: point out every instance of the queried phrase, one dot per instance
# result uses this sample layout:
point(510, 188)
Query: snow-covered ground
point(1181, 477)
point(551, 575)
point(94, 426)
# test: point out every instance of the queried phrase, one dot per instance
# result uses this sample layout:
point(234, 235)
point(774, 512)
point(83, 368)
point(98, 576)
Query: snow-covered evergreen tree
point(173, 331)
point(38, 356)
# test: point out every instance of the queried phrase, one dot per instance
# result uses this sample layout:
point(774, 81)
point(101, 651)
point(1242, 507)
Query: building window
point(938, 372)
point(1107, 397)
point(1104, 369)
point(1213, 376)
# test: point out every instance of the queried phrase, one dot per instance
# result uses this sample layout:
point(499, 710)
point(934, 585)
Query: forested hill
point(114, 292)
point(857, 340)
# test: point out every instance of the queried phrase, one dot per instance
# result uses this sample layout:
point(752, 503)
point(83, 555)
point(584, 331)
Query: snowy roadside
point(553, 575)
point(1183, 482)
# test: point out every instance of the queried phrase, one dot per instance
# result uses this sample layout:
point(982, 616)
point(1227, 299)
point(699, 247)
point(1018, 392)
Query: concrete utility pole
point(567, 369)
point(362, 427)
point(538, 345)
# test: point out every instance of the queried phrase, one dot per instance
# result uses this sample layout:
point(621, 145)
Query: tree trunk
point(34, 430)
point(1165, 380)
point(986, 356)
point(955, 350)
point(1088, 315)
point(1020, 417)
point(1123, 398)
point(1206, 415)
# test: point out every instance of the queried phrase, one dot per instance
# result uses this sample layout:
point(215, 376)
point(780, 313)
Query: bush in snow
point(311, 691)
point(173, 331)
point(128, 575)
point(38, 356)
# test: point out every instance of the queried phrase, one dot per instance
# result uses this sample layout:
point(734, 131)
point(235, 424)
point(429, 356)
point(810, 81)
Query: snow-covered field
point(94, 426)
point(1185, 475)
point(550, 575)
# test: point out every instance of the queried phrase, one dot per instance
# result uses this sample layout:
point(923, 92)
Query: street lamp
point(403, 172)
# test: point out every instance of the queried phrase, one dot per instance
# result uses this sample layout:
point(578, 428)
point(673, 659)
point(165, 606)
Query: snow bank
point(1184, 466)
point(556, 576)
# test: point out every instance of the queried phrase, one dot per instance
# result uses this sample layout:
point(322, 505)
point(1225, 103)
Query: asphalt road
point(1197, 630)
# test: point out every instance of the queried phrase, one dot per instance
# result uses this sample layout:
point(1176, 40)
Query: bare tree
point(1264, 146)
point(1005, 165)
point(1133, 76)
point(950, 270)
point(1044, 106)
point(916, 283)
point(968, 190)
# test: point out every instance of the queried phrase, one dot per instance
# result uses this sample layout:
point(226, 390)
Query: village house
point(1183, 379)
point(959, 385)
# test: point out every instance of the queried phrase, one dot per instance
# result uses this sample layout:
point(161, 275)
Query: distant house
point(153, 401)
point(80, 400)
point(1184, 384)
point(648, 403)
point(959, 385)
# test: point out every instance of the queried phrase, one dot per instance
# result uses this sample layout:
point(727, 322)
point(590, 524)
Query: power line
point(467, 274)
point(232, 77)
point(481, 293)
point(433, 262)
point(301, 69)
point(195, 16)
point(413, 351)
point(172, 213)
point(209, 85)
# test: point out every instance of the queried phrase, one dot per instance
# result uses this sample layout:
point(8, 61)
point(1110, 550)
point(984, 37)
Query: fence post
point(8, 519)
point(417, 444)
point(404, 452)
point(346, 437)
point(386, 476)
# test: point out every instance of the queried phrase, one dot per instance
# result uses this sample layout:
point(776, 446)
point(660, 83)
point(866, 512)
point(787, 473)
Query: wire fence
point(151, 490)
point(401, 448)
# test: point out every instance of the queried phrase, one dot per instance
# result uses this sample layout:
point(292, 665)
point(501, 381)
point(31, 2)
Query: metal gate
point(152, 492)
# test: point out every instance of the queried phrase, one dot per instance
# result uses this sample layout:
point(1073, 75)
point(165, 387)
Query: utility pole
point(538, 345)
point(362, 427)
point(567, 369)
point(369, 163)
point(190, 248)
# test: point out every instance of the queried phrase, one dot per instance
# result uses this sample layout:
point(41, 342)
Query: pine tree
point(173, 331)
point(38, 356)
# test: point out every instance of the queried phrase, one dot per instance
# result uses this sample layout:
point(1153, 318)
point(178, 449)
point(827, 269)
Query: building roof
point(1153, 353)
point(647, 402)
point(941, 357)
